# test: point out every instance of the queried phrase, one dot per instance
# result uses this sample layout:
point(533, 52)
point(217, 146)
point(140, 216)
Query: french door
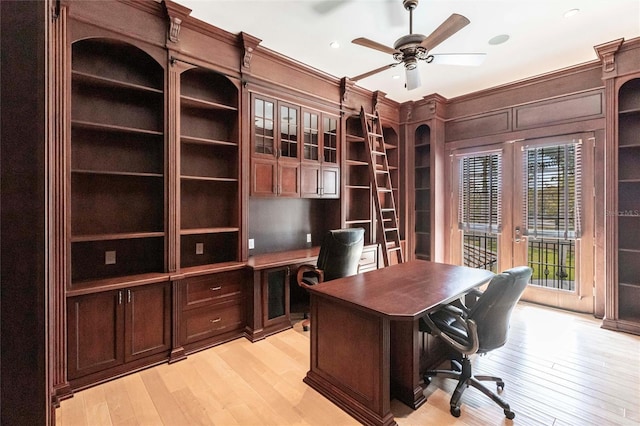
point(528, 202)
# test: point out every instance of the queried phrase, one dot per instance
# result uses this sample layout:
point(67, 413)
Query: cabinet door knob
point(215, 288)
point(213, 321)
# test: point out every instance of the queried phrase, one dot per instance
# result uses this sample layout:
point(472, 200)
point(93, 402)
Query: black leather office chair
point(479, 329)
point(339, 255)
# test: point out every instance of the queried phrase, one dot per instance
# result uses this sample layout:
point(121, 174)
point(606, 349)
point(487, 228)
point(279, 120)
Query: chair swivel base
point(462, 373)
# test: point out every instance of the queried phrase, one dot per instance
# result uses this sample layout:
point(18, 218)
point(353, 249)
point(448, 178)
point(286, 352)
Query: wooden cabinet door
point(330, 182)
point(275, 296)
point(310, 181)
point(95, 330)
point(288, 179)
point(148, 315)
point(264, 177)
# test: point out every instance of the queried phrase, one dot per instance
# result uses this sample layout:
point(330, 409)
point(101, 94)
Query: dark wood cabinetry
point(212, 308)
point(628, 212)
point(117, 161)
point(422, 195)
point(209, 169)
point(320, 173)
point(275, 148)
point(358, 204)
point(275, 284)
point(111, 328)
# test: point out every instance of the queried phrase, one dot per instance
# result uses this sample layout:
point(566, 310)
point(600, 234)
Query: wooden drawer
point(368, 259)
point(210, 321)
point(212, 289)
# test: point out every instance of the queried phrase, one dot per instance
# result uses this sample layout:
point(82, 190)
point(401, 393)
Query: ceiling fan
point(411, 48)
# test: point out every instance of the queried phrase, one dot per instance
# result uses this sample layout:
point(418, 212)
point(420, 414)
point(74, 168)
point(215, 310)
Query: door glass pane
point(311, 140)
point(552, 206)
point(263, 127)
point(553, 263)
point(330, 140)
point(552, 213)
point(288, 132)
point(480, 202)
point(480, 250)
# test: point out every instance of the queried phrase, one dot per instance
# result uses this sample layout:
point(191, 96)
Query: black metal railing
point(480, 250)
point(553, 263)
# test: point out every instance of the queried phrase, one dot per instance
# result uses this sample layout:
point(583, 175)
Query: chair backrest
point(340, 252)
point(492, 311)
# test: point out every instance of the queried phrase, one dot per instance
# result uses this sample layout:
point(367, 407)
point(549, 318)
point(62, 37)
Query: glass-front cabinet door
point(275, 150)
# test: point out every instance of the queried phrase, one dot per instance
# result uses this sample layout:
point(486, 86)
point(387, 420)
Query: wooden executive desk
point(365, 339)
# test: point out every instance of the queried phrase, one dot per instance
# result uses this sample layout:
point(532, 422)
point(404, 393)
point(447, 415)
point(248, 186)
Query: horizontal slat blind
point(480, 193)
point(553, 192)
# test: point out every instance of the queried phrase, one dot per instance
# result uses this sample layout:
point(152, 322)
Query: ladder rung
point(378, 153)
point(393, 248)
point(366, 114)
point(390, 229)
point(387, 210)
point(375, 135)
point(385, 190)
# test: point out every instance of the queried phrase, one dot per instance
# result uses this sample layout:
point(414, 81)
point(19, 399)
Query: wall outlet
point(110, 257)
point(199, 248)
point(308, 238)
point(252, 244)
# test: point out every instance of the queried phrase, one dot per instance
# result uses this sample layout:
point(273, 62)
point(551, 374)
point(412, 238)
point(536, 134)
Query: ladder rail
point(386, 211)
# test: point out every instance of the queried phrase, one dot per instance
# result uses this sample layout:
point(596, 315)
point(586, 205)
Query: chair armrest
point(470, 326)
point(309, 269)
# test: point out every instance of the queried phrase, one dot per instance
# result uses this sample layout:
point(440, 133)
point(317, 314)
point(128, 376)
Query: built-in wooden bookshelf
point(357, 195)
point(209, 169)
point(422, 187)
point(628, 213)
point(117, 161)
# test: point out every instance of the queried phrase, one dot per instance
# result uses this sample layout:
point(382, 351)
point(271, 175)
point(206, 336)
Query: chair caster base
point(305, 328)
point(455, 411)
point(509, 414)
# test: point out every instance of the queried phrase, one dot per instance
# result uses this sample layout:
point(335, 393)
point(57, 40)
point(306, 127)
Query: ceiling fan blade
point(413, 78)
point(374, 45)
point(370, 73)
point(452, 25)
point(465, 59)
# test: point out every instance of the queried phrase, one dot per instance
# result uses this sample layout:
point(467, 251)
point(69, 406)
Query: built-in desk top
point(405, 291)
point(283, 258)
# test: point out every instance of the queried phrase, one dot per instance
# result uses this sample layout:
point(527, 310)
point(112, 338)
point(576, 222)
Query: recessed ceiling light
point(334, 45)
point(396, 77)
point(499, 39)
point(570, 13)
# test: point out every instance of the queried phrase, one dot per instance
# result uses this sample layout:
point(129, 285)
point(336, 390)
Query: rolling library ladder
point(386, 214)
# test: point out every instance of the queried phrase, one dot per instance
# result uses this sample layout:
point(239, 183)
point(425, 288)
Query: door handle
point(518, 235)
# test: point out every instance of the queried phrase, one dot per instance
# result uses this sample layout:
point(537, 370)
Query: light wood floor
point(560, 369)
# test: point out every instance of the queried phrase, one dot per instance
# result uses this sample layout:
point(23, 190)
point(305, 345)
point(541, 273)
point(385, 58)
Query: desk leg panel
point(350, 360)
point(405, 363)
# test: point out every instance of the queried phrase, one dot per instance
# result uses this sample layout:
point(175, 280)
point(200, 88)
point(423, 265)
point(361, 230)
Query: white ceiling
point(541, 38)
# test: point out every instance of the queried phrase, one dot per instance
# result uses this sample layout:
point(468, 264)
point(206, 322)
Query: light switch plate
point(308, 238)
point(110, 257)
point(252, 244)
point(199, 248)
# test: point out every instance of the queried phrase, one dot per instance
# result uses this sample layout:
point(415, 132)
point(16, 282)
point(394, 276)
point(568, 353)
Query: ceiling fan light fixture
point(334, 45)
point(410, 63)
point(413, 78)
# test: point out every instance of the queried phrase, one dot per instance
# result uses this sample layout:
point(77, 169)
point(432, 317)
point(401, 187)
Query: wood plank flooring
point(560, 369)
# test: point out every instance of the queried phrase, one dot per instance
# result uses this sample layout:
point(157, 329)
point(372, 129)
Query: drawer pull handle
point(215, 288)
point(213, 321)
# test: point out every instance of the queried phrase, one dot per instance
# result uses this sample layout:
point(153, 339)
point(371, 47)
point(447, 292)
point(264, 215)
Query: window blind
point(480, 193)
point(553, 191)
